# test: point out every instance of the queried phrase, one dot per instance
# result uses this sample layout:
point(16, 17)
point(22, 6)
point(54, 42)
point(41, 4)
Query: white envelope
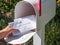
point(24, 28)
point(24, 25)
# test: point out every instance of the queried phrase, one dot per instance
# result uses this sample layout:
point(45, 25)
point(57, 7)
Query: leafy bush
point(6, 11)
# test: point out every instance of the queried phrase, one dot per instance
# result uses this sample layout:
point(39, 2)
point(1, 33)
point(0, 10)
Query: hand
point(9, 35)
point(9, 31)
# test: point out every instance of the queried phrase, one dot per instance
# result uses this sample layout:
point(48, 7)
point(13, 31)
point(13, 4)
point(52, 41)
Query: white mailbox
point(44, 11)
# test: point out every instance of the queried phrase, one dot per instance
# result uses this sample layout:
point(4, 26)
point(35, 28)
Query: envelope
point(24, 26)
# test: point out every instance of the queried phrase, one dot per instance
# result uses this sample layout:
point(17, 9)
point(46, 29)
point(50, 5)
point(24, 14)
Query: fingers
point(13, 30)
point(8, 35)
point(10, 29)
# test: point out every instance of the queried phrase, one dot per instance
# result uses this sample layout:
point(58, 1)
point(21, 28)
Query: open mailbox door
point(44, 10)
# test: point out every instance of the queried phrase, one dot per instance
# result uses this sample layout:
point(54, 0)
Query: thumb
point(13, 29)
point(8, 35)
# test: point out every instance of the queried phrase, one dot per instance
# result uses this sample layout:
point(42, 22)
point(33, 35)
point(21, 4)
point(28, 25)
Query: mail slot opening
point(24, 8)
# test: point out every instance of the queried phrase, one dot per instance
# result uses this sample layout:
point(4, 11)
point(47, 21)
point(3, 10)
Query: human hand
point(9, 31)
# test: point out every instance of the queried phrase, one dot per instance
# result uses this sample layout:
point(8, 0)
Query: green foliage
point(7, 5)
point(52, 31)
point(7, 11)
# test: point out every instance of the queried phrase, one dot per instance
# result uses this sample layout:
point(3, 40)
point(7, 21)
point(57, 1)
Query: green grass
point(52, 31)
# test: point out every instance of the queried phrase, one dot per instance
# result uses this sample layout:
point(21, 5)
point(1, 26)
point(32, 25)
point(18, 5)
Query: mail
point(24, 25)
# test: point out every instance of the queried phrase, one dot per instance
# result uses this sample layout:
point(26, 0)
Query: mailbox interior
point(24, 8)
